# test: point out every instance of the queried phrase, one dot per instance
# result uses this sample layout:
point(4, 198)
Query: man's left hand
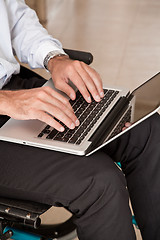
point(85, 78)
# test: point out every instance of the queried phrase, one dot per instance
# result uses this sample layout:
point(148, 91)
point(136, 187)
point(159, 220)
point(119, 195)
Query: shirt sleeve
point(31, 42)
point(3, 75)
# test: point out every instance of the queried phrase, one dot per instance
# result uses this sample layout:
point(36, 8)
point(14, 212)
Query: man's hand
point(127, 125)
point(86, 79)
point(39, 103)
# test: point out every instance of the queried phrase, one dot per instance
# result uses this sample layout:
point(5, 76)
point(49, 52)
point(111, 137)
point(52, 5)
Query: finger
point(124, 128)
point(96, 79)
point(60, 115)
point(69, 114)
point(79, 83)
point(49, 95)
point(64, 87)
point(90, 84)
point(49, 120)
point(60, 112)
point(127, 124)
point(82, 88)
point(53, 106)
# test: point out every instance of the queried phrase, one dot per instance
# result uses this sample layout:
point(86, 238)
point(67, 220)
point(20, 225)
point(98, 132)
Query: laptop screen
point(147, 98)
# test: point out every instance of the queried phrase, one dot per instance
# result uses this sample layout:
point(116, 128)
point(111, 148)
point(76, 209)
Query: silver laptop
point(100, 123)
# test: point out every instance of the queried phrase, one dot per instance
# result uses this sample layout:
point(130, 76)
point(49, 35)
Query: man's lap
point(29, 172)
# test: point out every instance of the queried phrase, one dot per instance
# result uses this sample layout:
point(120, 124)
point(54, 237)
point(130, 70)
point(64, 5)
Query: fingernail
point(127, 124)
point(72, 126)
point(102, 94)
point(89, 99)
point(97, 98)
point(72, 96)
point(77, 122)
point(61, 129)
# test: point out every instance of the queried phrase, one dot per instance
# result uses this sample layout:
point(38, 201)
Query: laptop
point(100, 123)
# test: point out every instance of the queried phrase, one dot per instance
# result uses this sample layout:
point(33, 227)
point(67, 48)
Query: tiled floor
point(123, 36)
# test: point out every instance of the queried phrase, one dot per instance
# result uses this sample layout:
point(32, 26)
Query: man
point(92, 188)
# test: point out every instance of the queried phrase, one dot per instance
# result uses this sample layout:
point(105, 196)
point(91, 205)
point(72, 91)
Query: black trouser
point(92, 188)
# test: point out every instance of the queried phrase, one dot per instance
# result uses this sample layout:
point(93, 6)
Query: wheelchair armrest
point(85, 57)
point(20, 219)
point(24, 212)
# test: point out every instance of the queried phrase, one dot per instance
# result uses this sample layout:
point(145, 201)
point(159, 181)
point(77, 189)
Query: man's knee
point(101, 186)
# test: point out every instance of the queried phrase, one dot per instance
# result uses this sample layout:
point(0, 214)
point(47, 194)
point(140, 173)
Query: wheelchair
point(21, 219)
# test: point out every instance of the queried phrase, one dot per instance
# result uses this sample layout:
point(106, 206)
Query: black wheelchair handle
point(86, 57)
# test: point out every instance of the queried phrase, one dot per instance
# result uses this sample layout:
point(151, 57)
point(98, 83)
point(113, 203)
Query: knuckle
point(83, 64)
point(77, 63)
point(62, 108)
point(33, 113)
point(47, 88)
point(66, 102)
point(93, 89)
point(70, 68)
point(41, 94)
point(57, 84)
point(58, 112)
point(65, 110)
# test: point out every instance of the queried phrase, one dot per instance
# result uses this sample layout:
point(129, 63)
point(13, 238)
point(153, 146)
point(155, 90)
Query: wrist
point(52, 55)
point(4, 102)
point(53, 61)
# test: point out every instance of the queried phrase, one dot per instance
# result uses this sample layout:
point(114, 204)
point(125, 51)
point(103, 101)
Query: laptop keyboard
point(87, 113)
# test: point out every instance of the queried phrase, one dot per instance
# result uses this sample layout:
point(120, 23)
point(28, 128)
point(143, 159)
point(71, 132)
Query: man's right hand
point(39, 103)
